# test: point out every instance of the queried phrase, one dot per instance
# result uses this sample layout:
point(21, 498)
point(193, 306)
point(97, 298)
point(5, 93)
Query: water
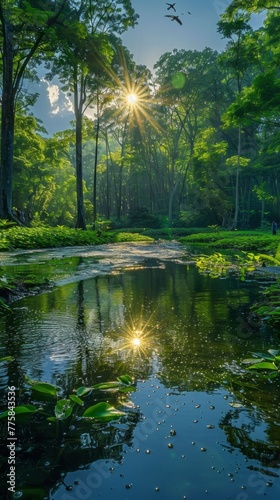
point(191, 429)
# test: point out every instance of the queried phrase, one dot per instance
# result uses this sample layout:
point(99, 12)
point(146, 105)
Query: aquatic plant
point(266, 364)
point(64, 407)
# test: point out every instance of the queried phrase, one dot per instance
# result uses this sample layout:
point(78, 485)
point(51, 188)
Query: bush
point(141, 217)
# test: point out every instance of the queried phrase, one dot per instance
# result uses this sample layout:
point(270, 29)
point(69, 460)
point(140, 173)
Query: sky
point(154, 35)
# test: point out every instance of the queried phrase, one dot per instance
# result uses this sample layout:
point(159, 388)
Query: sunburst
point(139, 338)
point(133, 98)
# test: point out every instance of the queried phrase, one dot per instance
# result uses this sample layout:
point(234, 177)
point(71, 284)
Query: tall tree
point(24, 28)
point(84, 54)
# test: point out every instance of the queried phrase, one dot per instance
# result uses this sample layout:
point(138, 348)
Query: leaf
point(43, 387)
point(82, 391)
point(20, 410)
point(125, 379)
point(129, 388)
point(103, 412)
point(63, 409)
point(76, 399)
point(106, 385)
point(263, 355)
point(263, 366)
point(7, 358)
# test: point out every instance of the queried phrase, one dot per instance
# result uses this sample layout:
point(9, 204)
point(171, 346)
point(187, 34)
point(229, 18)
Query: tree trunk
point(80, 224)
point(78, 106)
point(95, 172)
point(236, 212)
point(7, 125)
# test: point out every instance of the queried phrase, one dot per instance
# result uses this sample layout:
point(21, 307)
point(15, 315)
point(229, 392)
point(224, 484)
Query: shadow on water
point(196, 426)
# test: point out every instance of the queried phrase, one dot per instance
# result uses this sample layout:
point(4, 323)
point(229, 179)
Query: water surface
point(190, 430)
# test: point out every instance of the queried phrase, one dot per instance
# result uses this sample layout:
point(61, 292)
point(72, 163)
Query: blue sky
point(154, 35)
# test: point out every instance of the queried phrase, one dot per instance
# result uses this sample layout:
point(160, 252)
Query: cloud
point(52, 92)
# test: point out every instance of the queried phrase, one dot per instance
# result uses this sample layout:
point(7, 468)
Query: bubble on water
point(18, 494)
point(156, 488)
point(210, 426)
point(173, 432)
point(128, 486)
point(148, 452)
point(197, 406)
point(69, 488)
point(212, 407)
point(195, 421)
point(193, 442)
point(202, 449)
point(170, 445)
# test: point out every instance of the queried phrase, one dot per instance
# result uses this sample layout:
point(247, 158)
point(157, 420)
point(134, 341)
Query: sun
point(132, 98)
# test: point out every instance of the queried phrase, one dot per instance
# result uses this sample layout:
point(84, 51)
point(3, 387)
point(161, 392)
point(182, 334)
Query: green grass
point(42, 237)
point(258, 241)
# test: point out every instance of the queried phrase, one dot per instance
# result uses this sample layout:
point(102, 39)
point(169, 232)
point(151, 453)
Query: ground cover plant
point(47, 237)
point(258, 241)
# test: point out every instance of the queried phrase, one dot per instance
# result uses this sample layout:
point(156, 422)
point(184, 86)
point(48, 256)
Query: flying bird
point(175, 18)
point(171, 6)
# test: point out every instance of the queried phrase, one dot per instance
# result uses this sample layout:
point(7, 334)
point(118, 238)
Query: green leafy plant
point(64, 407)
point(267, 364)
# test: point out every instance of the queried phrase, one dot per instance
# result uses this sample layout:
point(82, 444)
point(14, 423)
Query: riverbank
point(27, 272)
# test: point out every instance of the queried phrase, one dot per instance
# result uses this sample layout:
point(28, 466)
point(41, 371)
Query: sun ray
point(132, 96)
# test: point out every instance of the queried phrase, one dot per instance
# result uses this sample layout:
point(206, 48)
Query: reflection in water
point(178, 333)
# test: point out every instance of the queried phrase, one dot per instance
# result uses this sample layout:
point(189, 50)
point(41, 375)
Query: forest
point(192, 144)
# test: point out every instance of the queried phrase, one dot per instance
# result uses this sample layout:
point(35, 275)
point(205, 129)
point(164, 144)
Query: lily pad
point(263, 366)
point(83, 391)
point(103, 412)
point(43, 387)
point(20, 410)
point(63, 409)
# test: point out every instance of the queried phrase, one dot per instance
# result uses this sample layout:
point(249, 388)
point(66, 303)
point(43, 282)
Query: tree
point(238, 57)
point(85, 53)
point(24, 29)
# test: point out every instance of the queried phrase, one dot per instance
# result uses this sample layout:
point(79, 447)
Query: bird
point(171, 6)
point(175, 18)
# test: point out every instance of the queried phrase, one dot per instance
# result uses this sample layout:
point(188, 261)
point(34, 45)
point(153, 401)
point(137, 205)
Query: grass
point(44, 237)
point(256, 241)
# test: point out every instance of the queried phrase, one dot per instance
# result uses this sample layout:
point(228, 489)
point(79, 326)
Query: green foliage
point(103, 412)
point(45, 388)
point(7, 359)
point(64, 408)
point(268, 308)
point(20, 410)
point(43, 237)
point(215, 265)
point(267, 365)
point(141, 217)
point(259, 241)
